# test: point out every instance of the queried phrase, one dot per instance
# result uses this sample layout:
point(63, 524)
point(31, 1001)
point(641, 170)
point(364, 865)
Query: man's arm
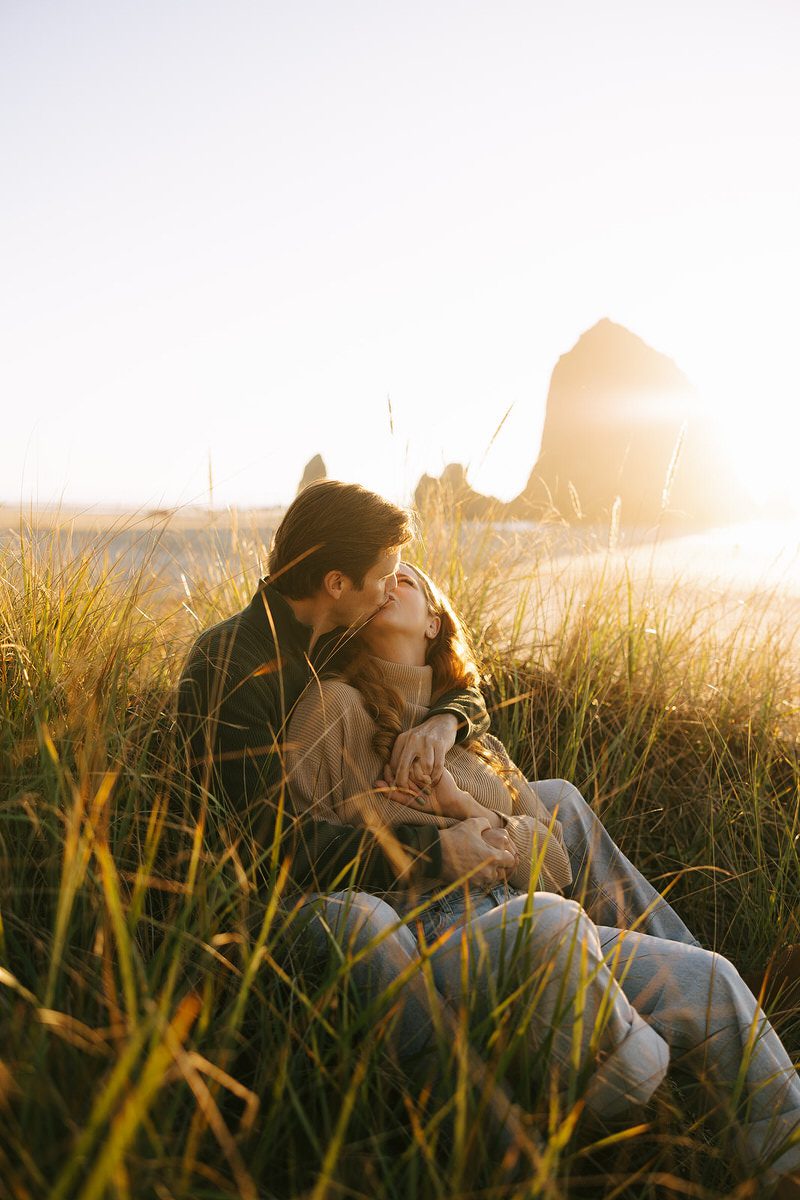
point(325, 855)
point(418, 754)
point(230, 730)
point(468, 707)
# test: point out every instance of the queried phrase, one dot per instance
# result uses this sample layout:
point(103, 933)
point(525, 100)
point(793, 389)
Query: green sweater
point(241, 679)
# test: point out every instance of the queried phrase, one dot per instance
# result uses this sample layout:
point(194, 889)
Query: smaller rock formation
point(451, 492)
point(314, 470)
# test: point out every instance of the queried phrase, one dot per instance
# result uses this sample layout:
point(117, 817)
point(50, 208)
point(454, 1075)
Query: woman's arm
point(324, 781)
point(539, 862)
point(537, 838)
point(449, 800)
point(445, 799)
point(534, 831)
point(527, 835)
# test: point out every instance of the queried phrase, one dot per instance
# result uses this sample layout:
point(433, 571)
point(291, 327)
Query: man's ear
point(433, 627)
point(334, 584)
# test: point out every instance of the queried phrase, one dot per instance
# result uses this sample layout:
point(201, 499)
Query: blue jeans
point(607, 884)
point(611, 987)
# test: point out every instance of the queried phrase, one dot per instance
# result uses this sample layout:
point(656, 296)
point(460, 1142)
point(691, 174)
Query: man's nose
point(391, 583)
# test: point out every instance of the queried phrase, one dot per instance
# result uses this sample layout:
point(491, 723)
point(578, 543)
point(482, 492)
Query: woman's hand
point(411, 795)
point(447, 799)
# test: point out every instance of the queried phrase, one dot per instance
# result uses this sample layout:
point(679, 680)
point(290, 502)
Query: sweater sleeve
point(543, 864)
point(536, 834)
point(468, 707)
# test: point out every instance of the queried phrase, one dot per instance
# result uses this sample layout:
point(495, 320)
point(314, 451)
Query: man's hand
point(418, 755)
point(465, 850)
point(501, 840)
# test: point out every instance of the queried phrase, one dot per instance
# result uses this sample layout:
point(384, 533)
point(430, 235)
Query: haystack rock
point(451, 491)
point(623, 421)
point(313, 471)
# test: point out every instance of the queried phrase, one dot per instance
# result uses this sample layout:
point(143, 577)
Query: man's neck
point(315, 613)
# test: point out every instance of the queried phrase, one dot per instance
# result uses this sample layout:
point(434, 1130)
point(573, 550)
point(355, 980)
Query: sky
point(235, 235)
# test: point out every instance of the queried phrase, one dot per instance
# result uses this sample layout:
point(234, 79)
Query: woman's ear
point(433, 627)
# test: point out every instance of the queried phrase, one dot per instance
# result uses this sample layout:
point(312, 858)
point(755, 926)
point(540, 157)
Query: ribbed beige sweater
point(332, 769)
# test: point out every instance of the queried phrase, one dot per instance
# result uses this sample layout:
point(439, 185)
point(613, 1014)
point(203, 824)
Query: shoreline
point(104, 519)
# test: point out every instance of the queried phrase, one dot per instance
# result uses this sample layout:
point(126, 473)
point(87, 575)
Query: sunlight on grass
point(159, 1037)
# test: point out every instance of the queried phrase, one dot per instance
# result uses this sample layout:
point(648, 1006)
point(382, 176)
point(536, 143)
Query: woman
point(593, 985)
point(385, 688)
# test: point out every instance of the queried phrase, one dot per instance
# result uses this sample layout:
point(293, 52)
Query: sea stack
point(623, 421)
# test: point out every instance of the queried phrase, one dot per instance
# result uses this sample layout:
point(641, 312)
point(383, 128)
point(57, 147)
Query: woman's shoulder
point(494, 744)
point(330, 697)
point(338, 690)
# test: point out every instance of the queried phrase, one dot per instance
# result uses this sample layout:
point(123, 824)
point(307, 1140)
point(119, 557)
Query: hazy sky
point(236, 228)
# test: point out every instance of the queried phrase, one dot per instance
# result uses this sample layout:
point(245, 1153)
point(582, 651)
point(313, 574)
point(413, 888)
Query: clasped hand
point(476, 846)
point(418, 754)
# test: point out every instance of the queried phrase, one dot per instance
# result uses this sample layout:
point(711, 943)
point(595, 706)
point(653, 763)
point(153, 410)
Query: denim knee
point(561, 797)
point(358, 917)
point(556, 917)
point(552, 925)
point(570, 801)
point(725, 984)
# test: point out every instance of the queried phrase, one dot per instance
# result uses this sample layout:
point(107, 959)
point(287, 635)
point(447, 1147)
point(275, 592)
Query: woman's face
point(405, 613)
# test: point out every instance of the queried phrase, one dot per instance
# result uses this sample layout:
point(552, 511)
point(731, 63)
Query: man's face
point(380, 580)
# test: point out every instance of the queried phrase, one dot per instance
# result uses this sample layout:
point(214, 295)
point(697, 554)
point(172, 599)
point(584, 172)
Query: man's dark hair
point(333, 526)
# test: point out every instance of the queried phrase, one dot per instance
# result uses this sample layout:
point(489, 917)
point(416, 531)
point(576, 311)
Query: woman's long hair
point(450, 654)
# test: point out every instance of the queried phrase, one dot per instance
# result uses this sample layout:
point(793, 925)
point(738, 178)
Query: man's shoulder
point(228, 654)
point(226, 636)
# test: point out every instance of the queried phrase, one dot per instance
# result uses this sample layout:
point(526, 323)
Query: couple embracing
point(339, 717)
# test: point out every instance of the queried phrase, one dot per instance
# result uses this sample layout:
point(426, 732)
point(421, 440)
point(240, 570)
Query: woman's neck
point(405, 651)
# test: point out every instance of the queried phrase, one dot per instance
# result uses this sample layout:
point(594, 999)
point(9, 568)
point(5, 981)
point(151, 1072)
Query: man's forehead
point(388, 561)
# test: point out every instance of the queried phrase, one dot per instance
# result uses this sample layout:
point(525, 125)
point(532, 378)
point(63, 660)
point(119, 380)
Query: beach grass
point(158, 1036)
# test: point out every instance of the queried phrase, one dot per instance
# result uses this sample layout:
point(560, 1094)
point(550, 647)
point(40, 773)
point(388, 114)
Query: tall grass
point(158, 1038)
